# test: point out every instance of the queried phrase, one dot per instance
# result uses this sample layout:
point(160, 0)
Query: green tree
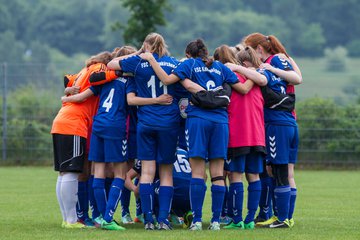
point(146, 15)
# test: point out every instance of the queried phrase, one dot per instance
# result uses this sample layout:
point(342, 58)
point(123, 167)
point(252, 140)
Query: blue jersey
point(278, 85)
point(209, 78)
point(182, 169)
point(110, 120)
point(148, 85)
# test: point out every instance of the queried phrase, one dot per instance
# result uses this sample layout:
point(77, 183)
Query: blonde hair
point(224, 54)
point(157, 44)
point(249, 54)
point(103, 57)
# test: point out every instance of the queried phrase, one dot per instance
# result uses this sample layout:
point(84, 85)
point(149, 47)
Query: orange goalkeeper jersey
point(76, 118)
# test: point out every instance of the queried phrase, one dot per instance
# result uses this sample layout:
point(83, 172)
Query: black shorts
point(69, 153)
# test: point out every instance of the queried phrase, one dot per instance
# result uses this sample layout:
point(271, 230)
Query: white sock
point(68, 192)
point(58, 195)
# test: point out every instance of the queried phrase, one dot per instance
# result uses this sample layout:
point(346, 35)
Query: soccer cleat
point(76, 225)
point(267, 222)
point(250, 225)
point(97, 221)
point(259, 219)
point(280, 224)
point(196, 226)
point(88, 222)
point(175, 219)
point(188, 217)
point(214, 226)
point(149, 226)
point(225, 220)
point(232, 225)
point(291, 222)
point(164, 226)
point(127, 219)
point(139, 219)
point(111, 225)
point(63, 224)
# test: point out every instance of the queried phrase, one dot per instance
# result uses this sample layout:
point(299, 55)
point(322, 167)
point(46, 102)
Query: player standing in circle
point(157, 129)
point(108, 144)
point(281, 139)
point(207, 129)
point(270, 49)
point(70, 131)
point(246, 142)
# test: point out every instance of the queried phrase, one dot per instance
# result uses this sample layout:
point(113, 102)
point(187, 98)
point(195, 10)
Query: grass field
point(317, 81)
point(327, 208)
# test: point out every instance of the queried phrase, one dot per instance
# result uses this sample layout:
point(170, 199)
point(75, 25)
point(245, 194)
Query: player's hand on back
point(165, 99)
point(147, 56)
point(72, 90)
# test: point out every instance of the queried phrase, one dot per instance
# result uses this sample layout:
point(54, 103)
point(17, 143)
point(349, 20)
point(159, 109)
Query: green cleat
point(188, 217)
point(291, 222)
point(232, 225)
point(63, 224)
point(267, 223)
point(250, 225)
point(111, 226)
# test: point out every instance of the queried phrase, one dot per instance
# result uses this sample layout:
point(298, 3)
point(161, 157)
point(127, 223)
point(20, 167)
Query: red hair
point(269, 43)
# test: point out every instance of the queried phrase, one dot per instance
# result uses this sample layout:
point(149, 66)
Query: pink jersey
point(246, 118)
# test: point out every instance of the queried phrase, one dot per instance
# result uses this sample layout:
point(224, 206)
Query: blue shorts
point(108, 150)
point(156, 143)
point(206, 139)
point(132, 147)
point(249, 163)
point(281, 144)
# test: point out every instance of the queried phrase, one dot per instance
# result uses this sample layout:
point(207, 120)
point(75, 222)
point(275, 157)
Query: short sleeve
point(96, 90)
point(131, 86)
point(130, 64)
point(281, 63)
point(229, 76)
point(183, 70)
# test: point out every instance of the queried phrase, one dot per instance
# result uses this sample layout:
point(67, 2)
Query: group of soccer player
point(143, 114)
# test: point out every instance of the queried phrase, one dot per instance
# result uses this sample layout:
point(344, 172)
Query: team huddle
point(143, 121)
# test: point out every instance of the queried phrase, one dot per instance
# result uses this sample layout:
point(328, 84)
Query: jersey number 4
point(152, 84)
point(108, 101)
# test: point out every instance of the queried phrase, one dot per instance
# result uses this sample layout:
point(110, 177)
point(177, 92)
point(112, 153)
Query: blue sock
point(292, 202)
point(94, 209)
point(82, 206)
point(146, 191)
point(138, 202)
point(254, 192)
point(282, 195)
point(125, 201)
point(225, 208)
point(108, 182)
point(114, 198)
point(275, 210)
point(217, 197)
point(165, 198)
point(197, 196)
point(265, 203)
point(229, 201)
point(237, 197)
point(100, 194)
